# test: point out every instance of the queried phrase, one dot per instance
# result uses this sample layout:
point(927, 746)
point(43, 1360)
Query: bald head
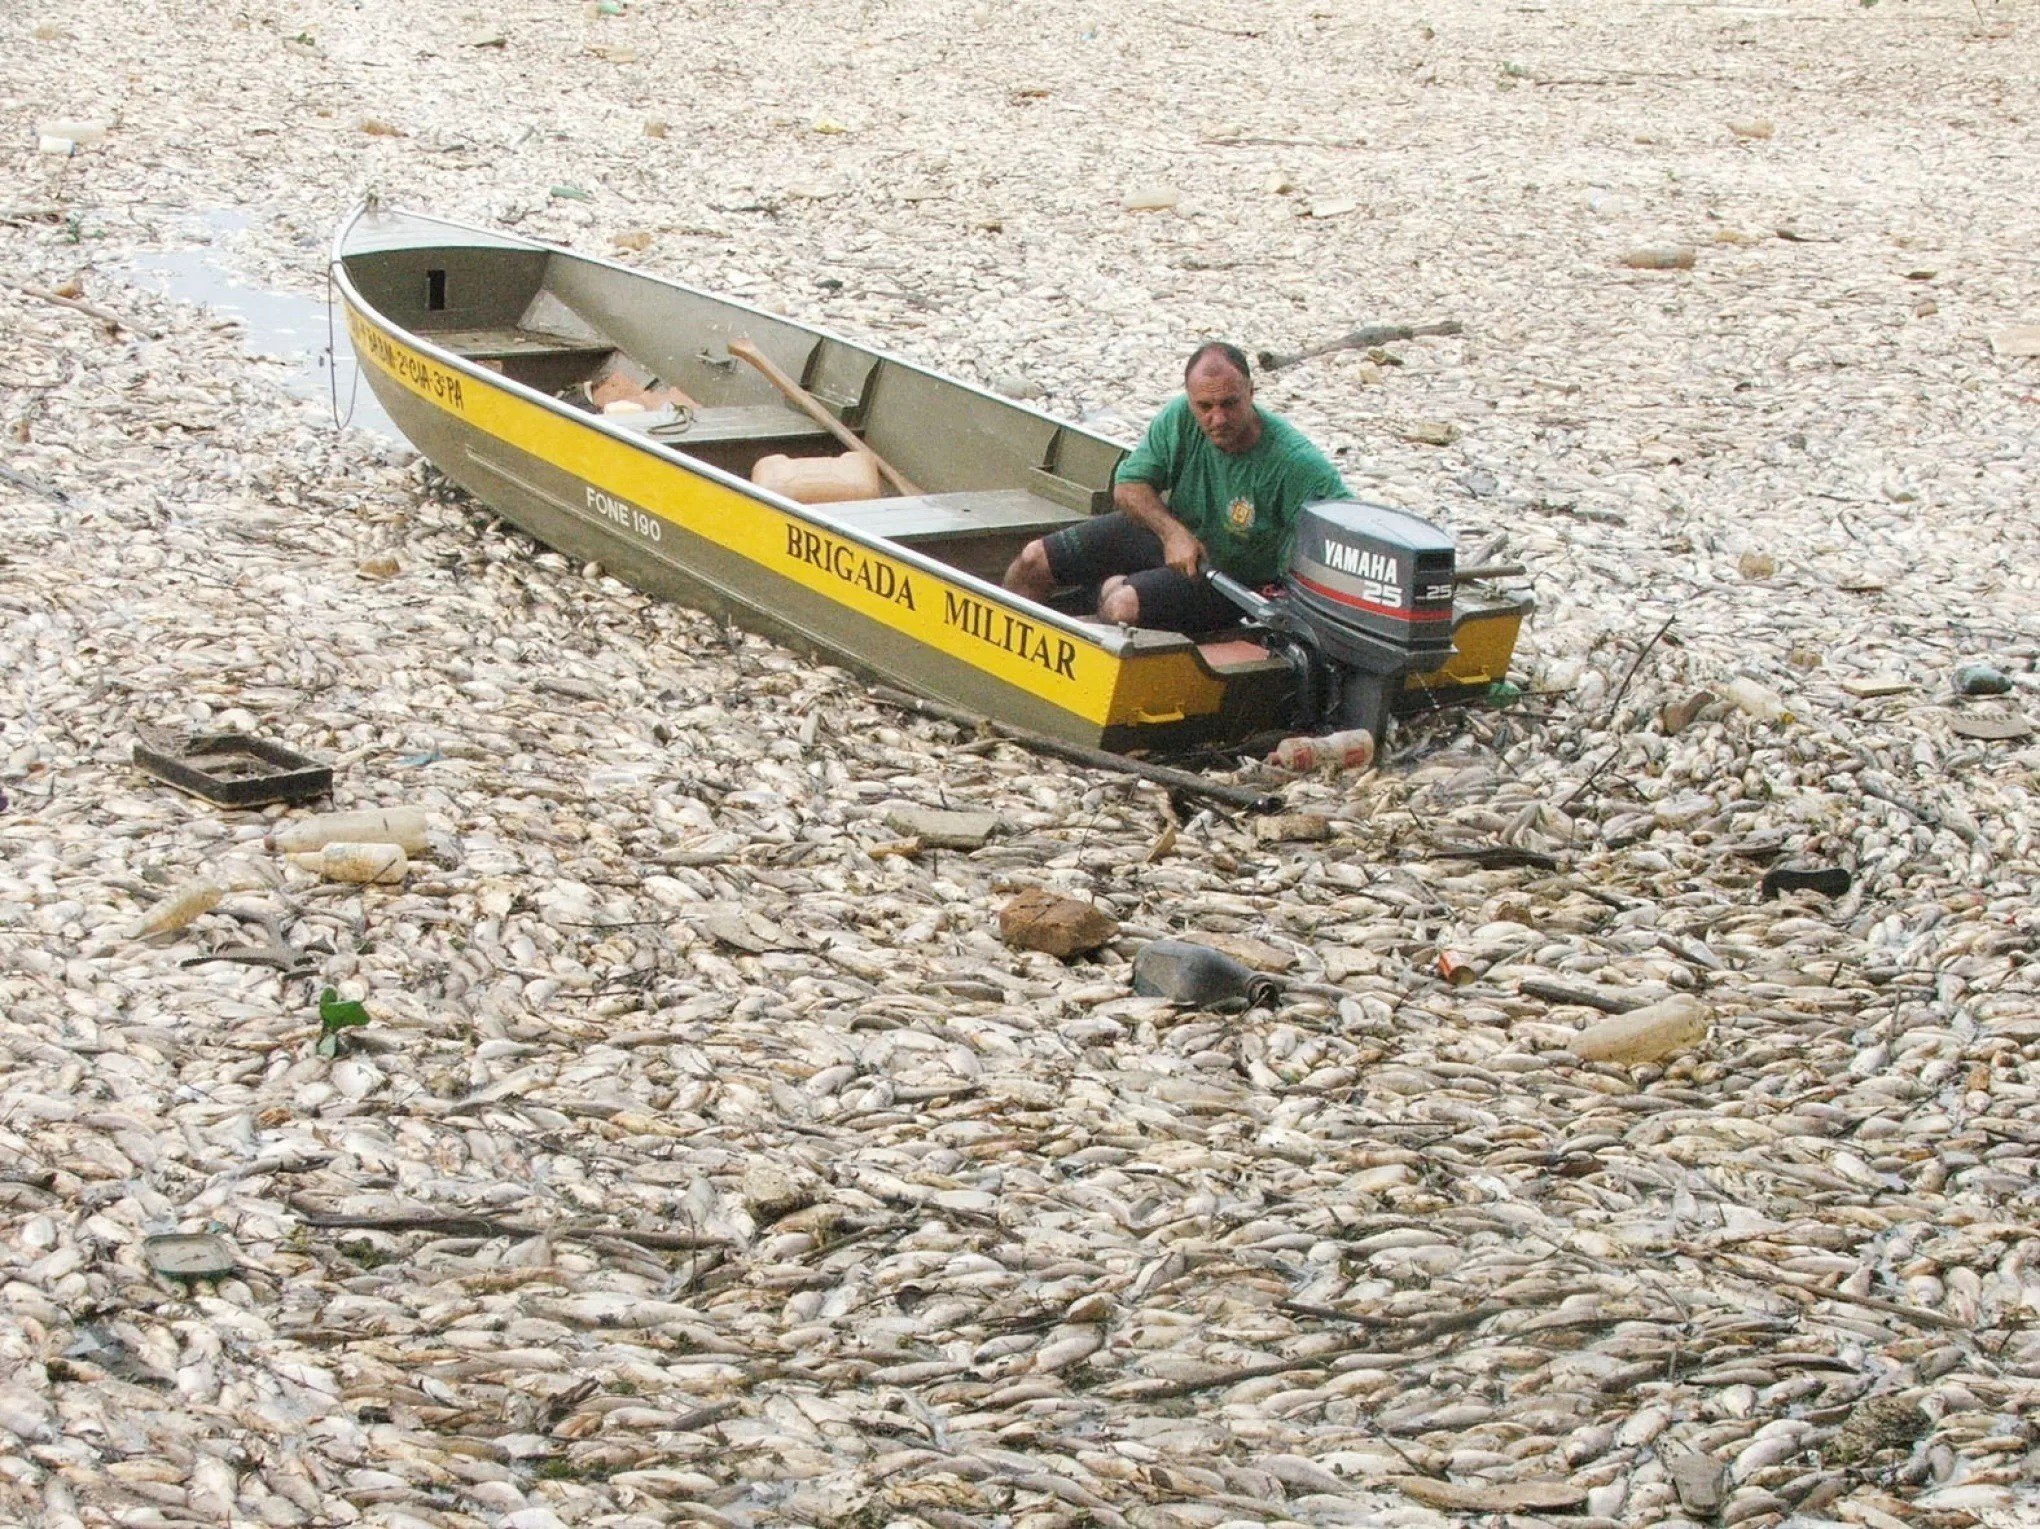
point(1218, 353)
point(1221, 394)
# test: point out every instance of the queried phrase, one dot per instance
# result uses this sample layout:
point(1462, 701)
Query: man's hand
point(1182, 551)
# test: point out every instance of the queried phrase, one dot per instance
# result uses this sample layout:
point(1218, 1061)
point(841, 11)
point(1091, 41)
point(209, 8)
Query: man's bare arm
point(1180, 550)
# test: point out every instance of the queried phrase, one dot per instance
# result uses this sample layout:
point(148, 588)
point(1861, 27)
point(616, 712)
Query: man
point(1235, 477)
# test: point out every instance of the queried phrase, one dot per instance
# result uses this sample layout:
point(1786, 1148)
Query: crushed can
point(1456, 969)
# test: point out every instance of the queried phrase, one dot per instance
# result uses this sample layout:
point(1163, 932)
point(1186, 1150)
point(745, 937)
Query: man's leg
point(1119, 601)
point(1166, 600)
point(1029, 574)
point(1086, 553)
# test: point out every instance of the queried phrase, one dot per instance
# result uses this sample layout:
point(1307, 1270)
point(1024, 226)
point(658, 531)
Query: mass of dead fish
point(706, 1157)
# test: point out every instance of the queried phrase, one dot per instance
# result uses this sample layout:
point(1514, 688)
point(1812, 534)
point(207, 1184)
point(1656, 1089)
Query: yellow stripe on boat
point(643, 490)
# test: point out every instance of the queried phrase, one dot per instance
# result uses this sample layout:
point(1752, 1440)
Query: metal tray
point(189, 1255)
point(234, 769)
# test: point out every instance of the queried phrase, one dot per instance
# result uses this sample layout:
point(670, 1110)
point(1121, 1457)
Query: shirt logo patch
point(1240, 515)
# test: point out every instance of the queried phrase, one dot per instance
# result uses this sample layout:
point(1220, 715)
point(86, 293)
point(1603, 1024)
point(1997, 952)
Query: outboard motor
point(1367, 598)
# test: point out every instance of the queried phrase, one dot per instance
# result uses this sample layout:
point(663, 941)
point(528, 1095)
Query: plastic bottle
point(1646, 1034)
point(1760, 701)
point(178, 909)
point(402, 826)
point(342, 861)
point(1352, 749)
point(1190, 973)
point(1661, 257)
point(82, 133)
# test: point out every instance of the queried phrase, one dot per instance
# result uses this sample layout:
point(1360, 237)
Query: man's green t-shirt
point(1243, 508)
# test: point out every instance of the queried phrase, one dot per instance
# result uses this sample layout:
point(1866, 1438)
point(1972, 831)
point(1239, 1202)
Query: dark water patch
point(302, 332)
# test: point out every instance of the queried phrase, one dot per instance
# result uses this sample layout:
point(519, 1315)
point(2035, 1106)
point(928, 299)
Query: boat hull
point(678, 526)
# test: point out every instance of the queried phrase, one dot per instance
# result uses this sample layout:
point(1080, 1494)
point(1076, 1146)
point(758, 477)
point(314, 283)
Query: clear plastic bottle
point(1644, 1035)
point(82, 133)
point(1352, 749)
point(342, 861)
point(1188, 973)
point(401, 826)
point(1760, 701)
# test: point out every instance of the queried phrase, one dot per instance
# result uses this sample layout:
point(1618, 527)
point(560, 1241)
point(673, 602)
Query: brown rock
point(1039, 919)
point(1756, 565)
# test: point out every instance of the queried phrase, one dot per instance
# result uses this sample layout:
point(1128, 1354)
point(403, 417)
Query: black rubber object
point(1828, 880)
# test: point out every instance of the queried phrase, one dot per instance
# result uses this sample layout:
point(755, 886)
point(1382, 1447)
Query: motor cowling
point(1373, 580)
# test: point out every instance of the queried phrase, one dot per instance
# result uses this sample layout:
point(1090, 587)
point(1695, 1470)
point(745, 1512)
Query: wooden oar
point(806, 402)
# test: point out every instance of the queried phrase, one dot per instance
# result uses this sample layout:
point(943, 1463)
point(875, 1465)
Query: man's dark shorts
point(1106, 546)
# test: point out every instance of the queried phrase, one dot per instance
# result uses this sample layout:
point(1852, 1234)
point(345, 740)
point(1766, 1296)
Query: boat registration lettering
point(406, 365)
point(623, 514)
point(1007, 632)
point(851, 564)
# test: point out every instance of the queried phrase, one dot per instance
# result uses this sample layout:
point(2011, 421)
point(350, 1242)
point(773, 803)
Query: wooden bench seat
point(503, 343)
point(547, 362)
point(922, 520)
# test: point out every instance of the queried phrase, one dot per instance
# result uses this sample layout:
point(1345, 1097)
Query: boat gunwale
point(1126, 644)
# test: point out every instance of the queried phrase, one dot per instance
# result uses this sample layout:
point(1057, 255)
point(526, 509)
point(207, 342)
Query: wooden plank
point(502, 344)
point(941, 517)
